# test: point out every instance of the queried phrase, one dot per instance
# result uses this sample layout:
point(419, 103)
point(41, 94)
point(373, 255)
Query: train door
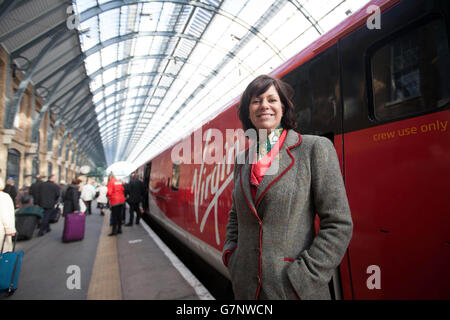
point(319, 110)
point(396, 93)
point(147, 173)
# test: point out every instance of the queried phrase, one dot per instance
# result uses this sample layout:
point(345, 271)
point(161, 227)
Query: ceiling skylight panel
point(123, 20)
point(108, 90)
point(98, 97)
point(92, 63)
point(301, 42)
point(248, 49)
point(253, 10)
point(135, 81)
point(83, 5)
point(173, 67)
point(160, 92)
point(110, 101)
point(99, 108)
point(96, 83)
point(108, 24)
point(282, 36)
point(155, 44)
point(142, 46)
point(109, 75)
point(147, 22)
point(109, 55)
point(166, 81)
point(184, 48)
point(233, 7)
point(317, 9)
point(275, 23)
point(144, 92)
point(168, 16)
point(89, 33)
point(132, 92)
point(129, 104)
point(137, 66)
point(200, 53)
point(330, 20)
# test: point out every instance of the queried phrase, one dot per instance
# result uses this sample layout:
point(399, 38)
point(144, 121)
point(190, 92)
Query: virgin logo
point(214, 183)
point(208, 185)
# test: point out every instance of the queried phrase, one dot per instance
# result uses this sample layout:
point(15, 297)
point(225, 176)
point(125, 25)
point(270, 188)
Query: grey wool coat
point(275, 252)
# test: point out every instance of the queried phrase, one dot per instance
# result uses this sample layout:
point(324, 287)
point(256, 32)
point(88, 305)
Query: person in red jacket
point(116, 198)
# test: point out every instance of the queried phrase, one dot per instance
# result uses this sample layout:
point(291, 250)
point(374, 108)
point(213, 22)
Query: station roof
point(155, 70)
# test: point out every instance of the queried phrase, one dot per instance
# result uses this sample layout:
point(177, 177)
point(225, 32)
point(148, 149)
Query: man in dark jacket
point(49, 193)
point(11, 190)
point(34, 189)
point(134, 191)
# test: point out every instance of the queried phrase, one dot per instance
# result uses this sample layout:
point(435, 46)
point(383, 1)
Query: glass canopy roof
point(159, 69)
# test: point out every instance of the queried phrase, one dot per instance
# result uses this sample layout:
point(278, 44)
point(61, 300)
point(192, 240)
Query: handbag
point(10, 263)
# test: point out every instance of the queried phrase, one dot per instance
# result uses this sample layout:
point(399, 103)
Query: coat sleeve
point(231, 238)
point(314, 267)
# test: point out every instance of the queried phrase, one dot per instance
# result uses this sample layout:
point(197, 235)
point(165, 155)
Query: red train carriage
point(382, 96)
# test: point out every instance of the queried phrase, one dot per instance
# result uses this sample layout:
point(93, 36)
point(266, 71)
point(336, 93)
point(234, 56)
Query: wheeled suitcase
point(26, 221)
point(25, 226)
point(10, 263)
point(74, 224)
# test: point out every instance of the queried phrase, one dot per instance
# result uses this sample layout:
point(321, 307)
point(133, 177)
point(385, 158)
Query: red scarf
point(260, 168)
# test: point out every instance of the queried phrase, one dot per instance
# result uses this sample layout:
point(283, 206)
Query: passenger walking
point(72, 197)
point(102, 200)
point(117, 201)
point(88, 195)
point(134, 192)
point(270, 248)
point(10, 189)
point(7, 219)
point(34, 189)
point(48, 198)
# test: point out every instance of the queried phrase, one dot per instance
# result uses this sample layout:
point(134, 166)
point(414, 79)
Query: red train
point(380, 90)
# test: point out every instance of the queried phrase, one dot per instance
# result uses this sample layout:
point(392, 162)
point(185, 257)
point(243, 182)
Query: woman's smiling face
point(266, 110)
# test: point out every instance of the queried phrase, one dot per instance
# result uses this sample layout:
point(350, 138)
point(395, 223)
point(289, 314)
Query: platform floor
point(134, 265)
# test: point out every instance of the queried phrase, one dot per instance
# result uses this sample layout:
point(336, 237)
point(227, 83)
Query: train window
point(410, 73)
point(316, 95)
point(175, 176)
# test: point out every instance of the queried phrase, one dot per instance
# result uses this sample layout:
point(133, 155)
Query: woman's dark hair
point(257, 87)
point(76, 181)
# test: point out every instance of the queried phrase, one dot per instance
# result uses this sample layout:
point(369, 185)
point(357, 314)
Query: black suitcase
point(25, 226)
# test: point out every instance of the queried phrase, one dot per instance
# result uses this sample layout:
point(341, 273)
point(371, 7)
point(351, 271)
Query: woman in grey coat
point(271, 248)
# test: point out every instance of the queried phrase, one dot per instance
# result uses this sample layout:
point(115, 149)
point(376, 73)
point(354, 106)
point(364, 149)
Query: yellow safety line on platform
point(105, 279)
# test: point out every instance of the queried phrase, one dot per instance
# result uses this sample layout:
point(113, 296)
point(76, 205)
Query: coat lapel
point(280, 165)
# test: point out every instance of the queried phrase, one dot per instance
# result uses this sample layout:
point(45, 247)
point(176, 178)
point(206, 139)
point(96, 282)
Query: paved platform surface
point(134, 265)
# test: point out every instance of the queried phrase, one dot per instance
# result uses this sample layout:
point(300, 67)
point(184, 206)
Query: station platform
point(134, 265)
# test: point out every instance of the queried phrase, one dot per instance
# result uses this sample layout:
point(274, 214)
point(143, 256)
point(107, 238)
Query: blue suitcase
point(10, 263)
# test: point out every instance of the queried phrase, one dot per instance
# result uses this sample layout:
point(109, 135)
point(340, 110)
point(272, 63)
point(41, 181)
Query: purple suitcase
point(74, 227)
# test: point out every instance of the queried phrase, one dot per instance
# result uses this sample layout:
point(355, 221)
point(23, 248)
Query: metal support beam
point(69, 67)
point(13, 106)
